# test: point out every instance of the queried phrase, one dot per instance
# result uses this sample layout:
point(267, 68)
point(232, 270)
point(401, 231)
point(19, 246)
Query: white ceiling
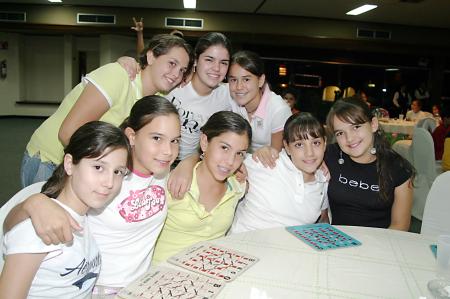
point(424, 13)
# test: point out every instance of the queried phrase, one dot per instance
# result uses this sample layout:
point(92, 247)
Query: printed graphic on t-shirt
point(86, 269)
point(142, 204)
point(357, 183)
point(190, 121)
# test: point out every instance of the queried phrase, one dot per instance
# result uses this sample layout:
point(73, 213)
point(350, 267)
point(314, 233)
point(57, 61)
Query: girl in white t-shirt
point(94, 165)
point(294, 192)
point(266, 111)
point(126, 230)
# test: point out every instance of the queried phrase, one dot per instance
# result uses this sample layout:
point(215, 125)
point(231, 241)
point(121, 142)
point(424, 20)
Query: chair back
point(10, 204)
point(424, 162)
point(331, 93)
point(427, 123)
point(348, 92)
point(435, 217)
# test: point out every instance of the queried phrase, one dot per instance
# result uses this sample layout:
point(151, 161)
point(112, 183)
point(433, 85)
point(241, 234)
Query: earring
point(202, 155)
point(373, 150)
point(340, 160)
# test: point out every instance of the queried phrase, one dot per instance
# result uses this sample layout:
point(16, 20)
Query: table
point(388, 264)
point(398, 126)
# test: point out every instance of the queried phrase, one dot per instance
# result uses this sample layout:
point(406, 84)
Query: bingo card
point(322, 236)
point(165, 283)
point(214, 261)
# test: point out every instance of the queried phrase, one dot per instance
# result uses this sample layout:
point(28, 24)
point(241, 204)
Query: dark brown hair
point(301, 125)
point(91, 140)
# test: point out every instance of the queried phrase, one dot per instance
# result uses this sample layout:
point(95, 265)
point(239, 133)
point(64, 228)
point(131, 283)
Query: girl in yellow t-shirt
point(106, 94)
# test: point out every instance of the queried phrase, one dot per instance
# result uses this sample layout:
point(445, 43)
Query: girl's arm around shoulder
point(13, 284)
point(401, 208)
point(180, 178)
point(51, 222)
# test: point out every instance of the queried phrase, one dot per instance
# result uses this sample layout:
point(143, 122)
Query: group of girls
point(130, 229)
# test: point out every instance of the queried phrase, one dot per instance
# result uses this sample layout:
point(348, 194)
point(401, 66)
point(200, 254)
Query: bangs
point(303, 127)
point(350, 111)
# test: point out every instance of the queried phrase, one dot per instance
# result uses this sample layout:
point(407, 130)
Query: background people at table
point(371, 185)
point(206, 211)
point(105, 94)
point(441, 132)
point(294, 192)
point(289, 96)
point(436, 111)
point(94, 165)
point(421, 93)
point(126, 230)
point(416, 112)
point(266, 111)
point(401, 100)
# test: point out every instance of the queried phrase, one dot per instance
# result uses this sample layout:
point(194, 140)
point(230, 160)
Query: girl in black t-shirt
point(371, 185)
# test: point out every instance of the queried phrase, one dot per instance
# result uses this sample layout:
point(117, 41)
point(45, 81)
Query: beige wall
point(43, 68)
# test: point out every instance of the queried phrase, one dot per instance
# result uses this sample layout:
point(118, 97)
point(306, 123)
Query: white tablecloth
point(388, 264)
point(398, 126)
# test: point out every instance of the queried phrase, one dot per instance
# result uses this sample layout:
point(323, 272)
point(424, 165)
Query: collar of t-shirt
point(232, 185)
point(286, 160)
point(262, 107)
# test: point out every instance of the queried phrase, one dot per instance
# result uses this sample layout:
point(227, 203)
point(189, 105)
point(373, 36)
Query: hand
point(51, 222)
point(324, 217)
point(326, 172)
point(266, 155)
point(180, 178)
point(241, 174)
point(130, 65)
point(138, 26)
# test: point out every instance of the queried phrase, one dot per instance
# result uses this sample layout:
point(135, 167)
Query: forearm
point(401, 225)
point(140, 42)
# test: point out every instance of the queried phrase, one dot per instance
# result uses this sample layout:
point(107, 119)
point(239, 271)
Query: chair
point(435, 217)
point(348, 92)
point(403, 148)
point(427, 123)
point(15, 200)
point(331, 93)
point(422, 153)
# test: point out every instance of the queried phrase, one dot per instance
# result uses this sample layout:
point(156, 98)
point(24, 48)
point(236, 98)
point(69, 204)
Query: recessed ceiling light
point(55, 1)
point(361, 9)
point(190, 3)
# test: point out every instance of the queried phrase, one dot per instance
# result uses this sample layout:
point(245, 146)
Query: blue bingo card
point(322, 236)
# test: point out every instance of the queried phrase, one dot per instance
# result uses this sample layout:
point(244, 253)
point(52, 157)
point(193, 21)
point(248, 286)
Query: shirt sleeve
point(280, 115)
point(111, 80)
point(400, 174)
point(23, 239)
point(395, 99)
